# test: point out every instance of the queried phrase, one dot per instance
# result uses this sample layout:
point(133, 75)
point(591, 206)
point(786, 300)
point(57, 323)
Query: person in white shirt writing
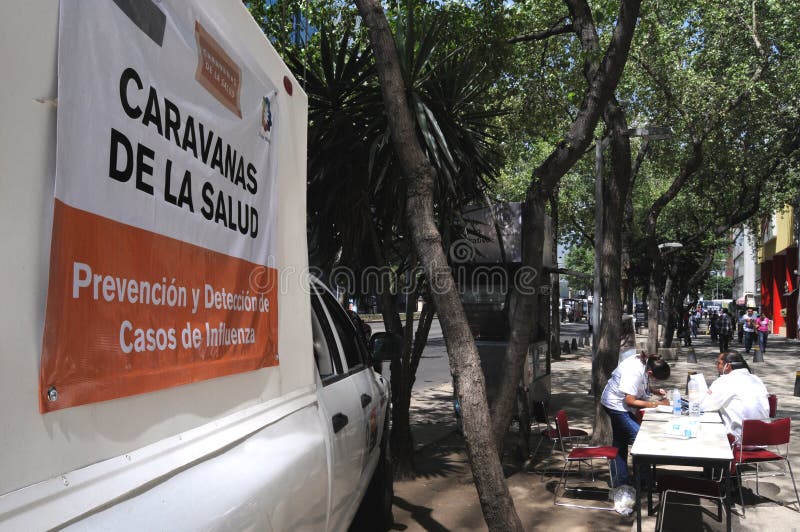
point(628, 391)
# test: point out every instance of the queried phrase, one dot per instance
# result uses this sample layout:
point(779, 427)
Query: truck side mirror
point(385, 346)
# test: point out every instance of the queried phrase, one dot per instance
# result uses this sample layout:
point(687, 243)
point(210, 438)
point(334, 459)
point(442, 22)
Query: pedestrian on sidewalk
point(712, 325)
point(724, 330)
point(627, 391)
point(748, 322)
point(693, 324)
point(684, 331)
point(740, 327)
point(762, 327)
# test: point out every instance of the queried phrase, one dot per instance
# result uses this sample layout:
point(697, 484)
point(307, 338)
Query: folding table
point(654, 447)
point(712, 416)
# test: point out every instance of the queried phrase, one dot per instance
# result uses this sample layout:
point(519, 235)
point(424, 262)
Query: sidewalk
point(443, 496)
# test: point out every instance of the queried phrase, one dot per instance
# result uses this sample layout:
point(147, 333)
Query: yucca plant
point(356, 193)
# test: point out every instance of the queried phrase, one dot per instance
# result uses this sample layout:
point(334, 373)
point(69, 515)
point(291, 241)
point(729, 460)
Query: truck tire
point(375, 511)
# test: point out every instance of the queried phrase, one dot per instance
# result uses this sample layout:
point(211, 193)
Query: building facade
point(777, 275)
point(744, 267)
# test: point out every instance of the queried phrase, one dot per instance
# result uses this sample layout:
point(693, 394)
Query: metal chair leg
point(536, 451)
point(661, 511)
point(563, 481)
point(552, 450)
point(794, 484)
point(757, 492)
point(741, 496)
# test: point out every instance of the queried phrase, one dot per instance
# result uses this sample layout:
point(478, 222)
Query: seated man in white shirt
point(737, 394)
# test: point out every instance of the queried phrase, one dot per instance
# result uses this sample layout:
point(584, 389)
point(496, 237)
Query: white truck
point(166, 361)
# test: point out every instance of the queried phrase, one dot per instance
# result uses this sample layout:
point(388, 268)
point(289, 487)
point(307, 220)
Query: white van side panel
point(36, 447)
point(289, 454)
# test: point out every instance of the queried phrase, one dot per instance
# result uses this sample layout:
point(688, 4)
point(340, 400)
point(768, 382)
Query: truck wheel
point(375, 511)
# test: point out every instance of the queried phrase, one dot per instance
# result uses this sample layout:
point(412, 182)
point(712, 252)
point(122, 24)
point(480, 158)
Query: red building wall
point(778, 279)
point(790, 301)
point(766, 286)
point(778, 291)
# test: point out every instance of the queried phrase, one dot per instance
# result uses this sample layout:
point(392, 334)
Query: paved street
point(434, 367)
point(432, 397)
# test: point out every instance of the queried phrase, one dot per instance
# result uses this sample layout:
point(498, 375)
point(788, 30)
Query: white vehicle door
point(341, 406)
point(371, 387)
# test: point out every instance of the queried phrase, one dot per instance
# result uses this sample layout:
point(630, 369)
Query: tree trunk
point(402, 439)
point(603, 77)
point(524, 311)
point(668, 306)
point(615, 192)
point(653, 298)
point(496, 502)
point(675, 311)
point(389, 312)
point(627, 229)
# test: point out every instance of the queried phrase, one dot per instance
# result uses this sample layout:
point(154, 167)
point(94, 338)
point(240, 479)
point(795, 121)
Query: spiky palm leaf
point(355, 190)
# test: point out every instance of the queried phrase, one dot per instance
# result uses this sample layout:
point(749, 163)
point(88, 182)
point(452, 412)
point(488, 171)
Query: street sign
point(651, 132)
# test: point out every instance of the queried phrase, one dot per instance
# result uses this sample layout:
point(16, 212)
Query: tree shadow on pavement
point(420, 514)
point(433, 406)
point(442, 459)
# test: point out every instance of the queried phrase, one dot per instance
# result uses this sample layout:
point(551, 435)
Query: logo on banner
point(216, 71)
point(266, 119)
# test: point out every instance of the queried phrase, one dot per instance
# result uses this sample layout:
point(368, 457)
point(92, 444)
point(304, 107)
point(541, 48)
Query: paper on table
point(700, 379)
point(682, 428)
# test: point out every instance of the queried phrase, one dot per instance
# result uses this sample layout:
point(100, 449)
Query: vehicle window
point(345, 330)
point(328, 362)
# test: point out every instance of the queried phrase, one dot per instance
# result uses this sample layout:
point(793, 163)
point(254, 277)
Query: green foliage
point(718, 287)
point(581, 259)
point(356, 195)
point(691, 67)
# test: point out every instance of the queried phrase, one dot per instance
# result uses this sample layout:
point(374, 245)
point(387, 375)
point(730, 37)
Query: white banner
point(172, 136)
point(166, 203)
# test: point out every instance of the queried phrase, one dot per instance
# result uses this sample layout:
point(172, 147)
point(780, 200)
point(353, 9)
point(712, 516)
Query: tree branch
point(543, 34)
point(604, 82)
point(637, 163)
point(702, 269)
point(668, 94)
point(734, 102)
point(589, 239)
point(688, 167)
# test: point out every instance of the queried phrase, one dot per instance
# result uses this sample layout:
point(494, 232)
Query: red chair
point(670, 484)
point(580, 455)
point(756, 437)
point(566, 434)
point(553, 435)
point(772, 399)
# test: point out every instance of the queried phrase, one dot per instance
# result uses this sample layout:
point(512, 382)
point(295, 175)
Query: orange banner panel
point(130, 311)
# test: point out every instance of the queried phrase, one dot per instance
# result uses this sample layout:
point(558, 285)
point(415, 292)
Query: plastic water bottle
point(694, 398)
point(676, 402)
